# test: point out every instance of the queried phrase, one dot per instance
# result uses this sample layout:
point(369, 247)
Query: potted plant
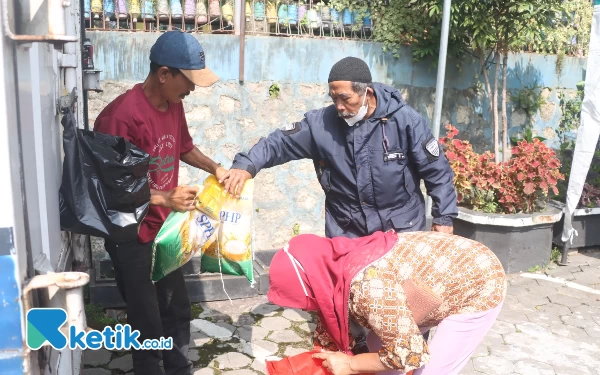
point(504, 205)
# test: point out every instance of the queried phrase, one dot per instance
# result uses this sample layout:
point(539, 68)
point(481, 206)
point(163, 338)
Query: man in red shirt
point(151, 116)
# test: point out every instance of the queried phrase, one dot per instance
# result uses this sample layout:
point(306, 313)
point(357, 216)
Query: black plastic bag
point(104, 190)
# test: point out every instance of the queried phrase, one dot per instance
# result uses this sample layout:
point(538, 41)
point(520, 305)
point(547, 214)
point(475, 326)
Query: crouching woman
point(398, 286)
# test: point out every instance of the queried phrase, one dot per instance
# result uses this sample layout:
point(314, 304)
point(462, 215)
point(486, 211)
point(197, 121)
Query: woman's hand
point(337, 363)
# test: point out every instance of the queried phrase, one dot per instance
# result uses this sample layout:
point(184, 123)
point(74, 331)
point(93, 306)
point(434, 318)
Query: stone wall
point(232, 116)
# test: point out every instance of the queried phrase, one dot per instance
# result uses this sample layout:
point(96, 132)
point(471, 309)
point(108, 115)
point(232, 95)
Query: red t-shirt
point(163, 135)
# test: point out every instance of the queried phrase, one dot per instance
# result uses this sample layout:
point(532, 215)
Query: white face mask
point(362, 112)
point(311, 303)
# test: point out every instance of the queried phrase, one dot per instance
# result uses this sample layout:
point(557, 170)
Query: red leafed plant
point(519, 185)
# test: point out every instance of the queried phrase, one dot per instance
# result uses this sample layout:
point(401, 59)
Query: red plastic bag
point(299, 364)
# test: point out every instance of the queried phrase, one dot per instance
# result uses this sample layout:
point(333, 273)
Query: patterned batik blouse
point(465, 273)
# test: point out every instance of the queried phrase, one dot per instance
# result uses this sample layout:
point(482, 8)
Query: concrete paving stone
point(509, 352)
point(244, 371)
point(296, 315)
point(210, 329)
point(545, 290)
point(232, 360)
point(492, 339)
point(534, 300)
point(518, 306)
point(587, 278)
point(554, 308)
point(259, 366)
point(96, 357)
point(252, 333)
point(198, 339)
point(572, 292)
point(306, 327)
point(577, 260)
point(549, 349)
point(578, 321)
point(265, 309)
point(468, 369)
point(292, 351)
point(516, 280)
point(522, 340)
point(124, 363)
point(481, 351)
point(510, 316)
point(571, 332)
point(533, 367)
point(532, 329)
point(236, 306)
point(284, 337)
point(590, 344)
point(260, 349)
point(510, 300)
point(503, 328)
point(243, 320)
point(276, 323)
point(493, 365)
point(568, 301)
point(231, 328)
point(593, 301)
point(569, 370)
point(213, 315)
point(203, 371)
point(586, 311)
point(96, 371)
point(518, 291)
point(593, 261)
point(593, 331)
point(193, 355)
point(563, 273)
point(544, 319)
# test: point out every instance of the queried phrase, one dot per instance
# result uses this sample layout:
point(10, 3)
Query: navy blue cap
point(177, 49)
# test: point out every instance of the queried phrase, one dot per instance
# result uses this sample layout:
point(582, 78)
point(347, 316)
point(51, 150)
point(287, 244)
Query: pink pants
point(453, 343)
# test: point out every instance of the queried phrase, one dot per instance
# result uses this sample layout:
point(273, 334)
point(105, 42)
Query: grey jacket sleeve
point(292, 142)
point(434, 169)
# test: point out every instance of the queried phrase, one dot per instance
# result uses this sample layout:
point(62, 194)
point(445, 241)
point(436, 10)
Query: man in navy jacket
point(370, 151)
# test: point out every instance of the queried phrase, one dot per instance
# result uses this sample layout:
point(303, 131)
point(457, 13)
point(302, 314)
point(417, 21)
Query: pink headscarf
point(327, 268)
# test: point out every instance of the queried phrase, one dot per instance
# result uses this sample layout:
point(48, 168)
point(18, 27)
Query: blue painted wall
point(124, 56)
point(305, 60)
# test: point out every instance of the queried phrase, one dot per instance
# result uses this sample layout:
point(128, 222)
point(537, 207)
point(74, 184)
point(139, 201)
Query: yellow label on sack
point(235, 233)
point(211, 198)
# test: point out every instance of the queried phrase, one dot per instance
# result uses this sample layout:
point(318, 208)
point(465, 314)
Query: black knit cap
point(350, 69)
